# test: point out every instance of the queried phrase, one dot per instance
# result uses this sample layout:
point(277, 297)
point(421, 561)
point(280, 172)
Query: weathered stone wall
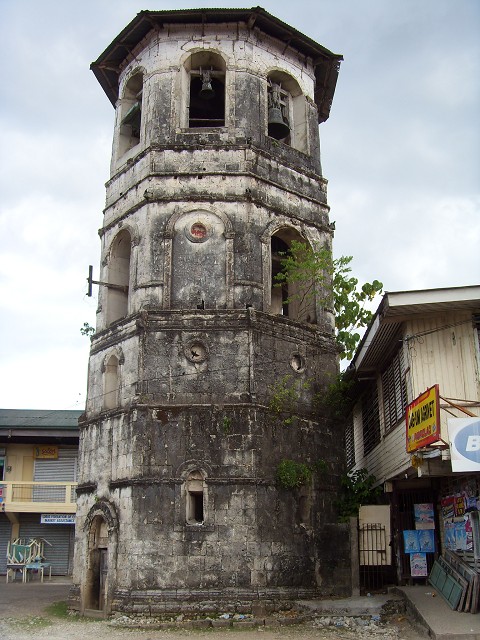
point(243, 222)
point(251, 539)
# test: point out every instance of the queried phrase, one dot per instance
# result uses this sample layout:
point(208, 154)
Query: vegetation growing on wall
point(284, 397)
point(319, 276)
point(336, 400)
point(292, 475)
point(226, 425)
point(357, 488)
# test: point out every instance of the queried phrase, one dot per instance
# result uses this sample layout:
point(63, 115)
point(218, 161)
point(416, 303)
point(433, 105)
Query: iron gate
point(373, 544)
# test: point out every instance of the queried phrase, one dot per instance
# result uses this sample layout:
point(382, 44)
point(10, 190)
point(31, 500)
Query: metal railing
point(27, 496)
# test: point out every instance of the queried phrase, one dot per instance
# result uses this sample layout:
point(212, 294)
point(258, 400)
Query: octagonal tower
point(203, 374)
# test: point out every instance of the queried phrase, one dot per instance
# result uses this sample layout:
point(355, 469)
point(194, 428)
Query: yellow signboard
point(45, 451)
point(423, 420)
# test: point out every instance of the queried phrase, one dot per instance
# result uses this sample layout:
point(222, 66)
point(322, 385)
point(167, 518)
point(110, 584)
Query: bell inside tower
point(207, 90)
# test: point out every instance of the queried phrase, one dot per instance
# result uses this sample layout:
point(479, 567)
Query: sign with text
point(57, 518)
point(423, 420)
point(464, 438)
point(45, 451)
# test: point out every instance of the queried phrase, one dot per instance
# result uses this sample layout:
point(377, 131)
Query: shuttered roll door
point(59, 541)
point(5, 531)
point(62, 468)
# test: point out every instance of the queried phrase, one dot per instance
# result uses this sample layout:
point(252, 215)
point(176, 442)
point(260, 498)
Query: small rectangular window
point(195, 498)
point(394, 391)
point(350, 444)
point(195, 507)
point(370, 418)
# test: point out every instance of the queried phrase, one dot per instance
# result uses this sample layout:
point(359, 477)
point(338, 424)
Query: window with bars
point(370, 418)
point(394, 391)
point(350, 444)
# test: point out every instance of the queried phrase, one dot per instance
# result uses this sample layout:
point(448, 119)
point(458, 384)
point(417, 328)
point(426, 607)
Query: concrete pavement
point(429, 608)
point(423, 605)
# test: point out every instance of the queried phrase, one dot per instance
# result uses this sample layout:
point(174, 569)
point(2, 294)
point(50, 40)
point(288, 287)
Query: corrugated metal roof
point(107, 67)
point(407, 303)
point(397, 306)
point(39, 419)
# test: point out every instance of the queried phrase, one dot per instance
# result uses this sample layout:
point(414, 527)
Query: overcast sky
point(401, 151)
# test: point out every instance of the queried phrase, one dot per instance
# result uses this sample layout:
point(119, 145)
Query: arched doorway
point(96, 587)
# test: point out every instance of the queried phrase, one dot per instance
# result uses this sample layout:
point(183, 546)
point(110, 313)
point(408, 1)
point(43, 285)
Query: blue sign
point(464, 436)
point(467, 441)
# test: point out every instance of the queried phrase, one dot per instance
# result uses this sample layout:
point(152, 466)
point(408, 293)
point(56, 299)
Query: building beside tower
point(204, 377)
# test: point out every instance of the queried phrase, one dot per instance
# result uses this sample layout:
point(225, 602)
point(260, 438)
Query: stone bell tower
point(204, 375)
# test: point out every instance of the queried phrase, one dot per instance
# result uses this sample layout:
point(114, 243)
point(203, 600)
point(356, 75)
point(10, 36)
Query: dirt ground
point(26, 613)
point(38, 629)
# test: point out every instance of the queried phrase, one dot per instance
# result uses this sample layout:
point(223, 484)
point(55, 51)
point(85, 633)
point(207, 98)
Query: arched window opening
point(295, 300)
point(287, 111)
point(279, 303)
point(118, 277)
point(195, 498)
point(131, 114)
point(206, 105)
point(111, 383)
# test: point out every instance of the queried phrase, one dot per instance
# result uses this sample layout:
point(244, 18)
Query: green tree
point(320, 276)
point(87, 330)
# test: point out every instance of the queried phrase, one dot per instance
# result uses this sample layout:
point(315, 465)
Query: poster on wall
point(419, 541)
point(459, 505)
point(459, 535)
point(426, 540)
point(418, 565)
point(450, 542)
point(424, 516)
point(447, 507)
point(411, 543)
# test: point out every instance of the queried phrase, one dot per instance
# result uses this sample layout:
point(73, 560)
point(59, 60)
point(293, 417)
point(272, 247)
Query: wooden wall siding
point(389, 458)
point(446, 356)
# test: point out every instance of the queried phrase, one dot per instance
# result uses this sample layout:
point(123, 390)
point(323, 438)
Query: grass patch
point(32, 622)
point(58, 610)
